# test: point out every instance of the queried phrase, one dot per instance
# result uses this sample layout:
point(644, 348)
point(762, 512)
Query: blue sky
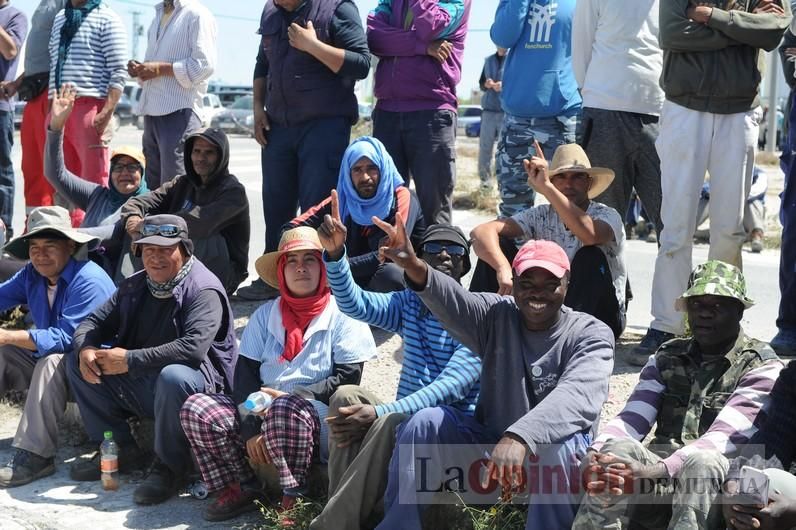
point(238, 21)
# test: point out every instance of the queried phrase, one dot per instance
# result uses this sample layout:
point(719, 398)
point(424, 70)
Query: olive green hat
point(716, 278)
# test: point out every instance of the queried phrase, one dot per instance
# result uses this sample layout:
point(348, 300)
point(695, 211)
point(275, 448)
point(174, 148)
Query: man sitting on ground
point(369, 185)
point(61, 288)
point(436, 370)
point(704, 393)
point(544, 378)
point(213, 203)
point(172, 334)
point(591, 234)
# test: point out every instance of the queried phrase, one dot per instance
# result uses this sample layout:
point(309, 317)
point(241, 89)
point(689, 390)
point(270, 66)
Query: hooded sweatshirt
point(537, 76)
point(218, 208)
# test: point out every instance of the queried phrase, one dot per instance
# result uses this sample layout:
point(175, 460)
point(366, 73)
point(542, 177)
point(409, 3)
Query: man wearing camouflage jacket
point(704, 393)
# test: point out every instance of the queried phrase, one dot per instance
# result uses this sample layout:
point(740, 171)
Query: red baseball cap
point(539, 253)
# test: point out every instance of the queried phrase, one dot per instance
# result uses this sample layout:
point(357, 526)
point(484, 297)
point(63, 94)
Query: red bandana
point(297, 313)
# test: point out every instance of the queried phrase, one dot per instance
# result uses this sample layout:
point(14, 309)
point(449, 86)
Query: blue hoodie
point(538, 81)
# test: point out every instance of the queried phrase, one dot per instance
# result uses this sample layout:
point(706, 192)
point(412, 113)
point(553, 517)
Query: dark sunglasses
point(162, 230)
point(437, 248)
point(131, 167)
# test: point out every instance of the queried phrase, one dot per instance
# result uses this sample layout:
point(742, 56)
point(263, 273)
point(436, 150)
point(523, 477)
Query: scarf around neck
point(351, 204)
point(297, 313)
point(73, 18)
point(165, 290)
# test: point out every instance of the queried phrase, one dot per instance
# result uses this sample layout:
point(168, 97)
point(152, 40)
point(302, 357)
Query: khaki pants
point(693, 507)
point(358, 473)
point(45, 379)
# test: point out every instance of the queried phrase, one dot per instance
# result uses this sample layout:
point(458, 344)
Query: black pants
point(591, 289)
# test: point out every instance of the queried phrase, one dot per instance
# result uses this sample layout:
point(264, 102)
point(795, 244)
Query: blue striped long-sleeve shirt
point(436, 369)
point(97, 58)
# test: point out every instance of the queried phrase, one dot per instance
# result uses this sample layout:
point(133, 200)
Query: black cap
point(160, 240)
point(447, 232)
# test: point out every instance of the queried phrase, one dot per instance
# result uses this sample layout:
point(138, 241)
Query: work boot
point(757, 241)
point(159, 485)
point(258, 290)
point(131, 458)
point(231, 502)
point(648, 346)
point(25, 467)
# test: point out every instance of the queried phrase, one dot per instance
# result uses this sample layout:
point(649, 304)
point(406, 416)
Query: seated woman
point(102, 204)
point(299, 348)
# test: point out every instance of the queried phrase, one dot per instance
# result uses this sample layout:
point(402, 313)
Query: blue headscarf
point(351, 204)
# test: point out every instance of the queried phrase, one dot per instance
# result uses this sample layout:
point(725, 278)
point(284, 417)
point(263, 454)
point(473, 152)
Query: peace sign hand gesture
point(536, 168)
point(398, 249)
point(332, 232)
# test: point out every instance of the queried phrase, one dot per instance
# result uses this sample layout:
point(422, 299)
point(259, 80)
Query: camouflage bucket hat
point(716, 278)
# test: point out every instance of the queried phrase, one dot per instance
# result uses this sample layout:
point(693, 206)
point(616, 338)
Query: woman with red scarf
point(298, 348)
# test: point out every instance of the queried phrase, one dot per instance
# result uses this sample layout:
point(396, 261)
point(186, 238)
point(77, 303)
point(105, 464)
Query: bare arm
point(8, 46)
point(17, 337)
point(486, 243)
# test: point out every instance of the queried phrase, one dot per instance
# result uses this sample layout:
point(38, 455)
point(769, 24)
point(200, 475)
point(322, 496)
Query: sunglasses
point(437, 248)
point(161, 230)
point(131, 167)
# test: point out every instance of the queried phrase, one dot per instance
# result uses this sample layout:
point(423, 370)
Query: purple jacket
point(399, 32)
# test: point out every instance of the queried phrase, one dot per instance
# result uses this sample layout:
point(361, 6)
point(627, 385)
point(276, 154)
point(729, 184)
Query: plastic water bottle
point(109, 463)
point(256, 403)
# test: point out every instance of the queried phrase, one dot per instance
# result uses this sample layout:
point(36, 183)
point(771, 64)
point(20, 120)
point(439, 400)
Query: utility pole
point(138, 32)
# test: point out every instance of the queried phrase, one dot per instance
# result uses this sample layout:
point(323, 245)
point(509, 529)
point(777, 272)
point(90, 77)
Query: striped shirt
point(97, 58)
point(436, 369)
point(733, 427)
point(188, 42)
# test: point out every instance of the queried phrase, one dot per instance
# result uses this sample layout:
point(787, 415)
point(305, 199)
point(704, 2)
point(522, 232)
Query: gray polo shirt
point(37, 53)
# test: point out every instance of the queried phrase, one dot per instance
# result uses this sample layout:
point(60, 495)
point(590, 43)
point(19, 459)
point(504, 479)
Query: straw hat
point(571, 157)
point(44, 220)
point(301, 238)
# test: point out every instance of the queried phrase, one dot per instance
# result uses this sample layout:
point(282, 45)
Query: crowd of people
point(131, 255)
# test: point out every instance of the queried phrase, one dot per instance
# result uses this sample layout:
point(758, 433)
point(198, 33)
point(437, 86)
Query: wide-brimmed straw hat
point(48, 221)
point(301, 238)
point(571, 157)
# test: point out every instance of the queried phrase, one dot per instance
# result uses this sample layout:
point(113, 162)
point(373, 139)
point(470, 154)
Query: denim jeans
point(159, 395)
point(6, 167)
point(300, 167)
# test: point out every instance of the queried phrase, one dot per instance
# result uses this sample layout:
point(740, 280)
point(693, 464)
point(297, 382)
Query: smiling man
point(368, 186)
point(592, 234)
point(211, 201)
point(436, 370)
point(165, 334)
point(60, 290)
point(704, 394)
point(544, 378)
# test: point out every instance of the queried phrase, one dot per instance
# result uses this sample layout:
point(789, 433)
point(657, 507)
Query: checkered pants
point(291, 432)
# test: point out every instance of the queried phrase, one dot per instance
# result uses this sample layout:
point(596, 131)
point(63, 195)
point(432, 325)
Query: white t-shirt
point(543, 222)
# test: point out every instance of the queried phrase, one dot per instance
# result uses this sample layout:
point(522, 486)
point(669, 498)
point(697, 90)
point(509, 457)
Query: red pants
point(38, 191)
point(86, 154)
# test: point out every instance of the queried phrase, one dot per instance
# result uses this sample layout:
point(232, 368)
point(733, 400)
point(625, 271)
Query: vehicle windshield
point(243, 102)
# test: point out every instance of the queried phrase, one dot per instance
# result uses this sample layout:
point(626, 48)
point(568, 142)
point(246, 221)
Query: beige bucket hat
point(48, 219)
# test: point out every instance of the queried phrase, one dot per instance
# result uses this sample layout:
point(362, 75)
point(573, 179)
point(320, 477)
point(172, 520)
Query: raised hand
point(333, 232)
point(399, 250)
point(62, 105)
point(536, 168)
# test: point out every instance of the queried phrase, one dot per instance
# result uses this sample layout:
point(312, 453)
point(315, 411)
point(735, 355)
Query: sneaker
point(25, 467)
point(649, 345)
point(231, 502)
point(784, 343)
point(131, 458)
point(159, 485)
point(258, 290)
point(757, 241)
point(652, 236)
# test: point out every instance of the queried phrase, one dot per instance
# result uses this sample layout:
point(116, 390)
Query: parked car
point(211, 106)
point(228, 94)
point(238, 118)
point(124, 111)
point(467, 114)
point(473, 130)
point(19, 106)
